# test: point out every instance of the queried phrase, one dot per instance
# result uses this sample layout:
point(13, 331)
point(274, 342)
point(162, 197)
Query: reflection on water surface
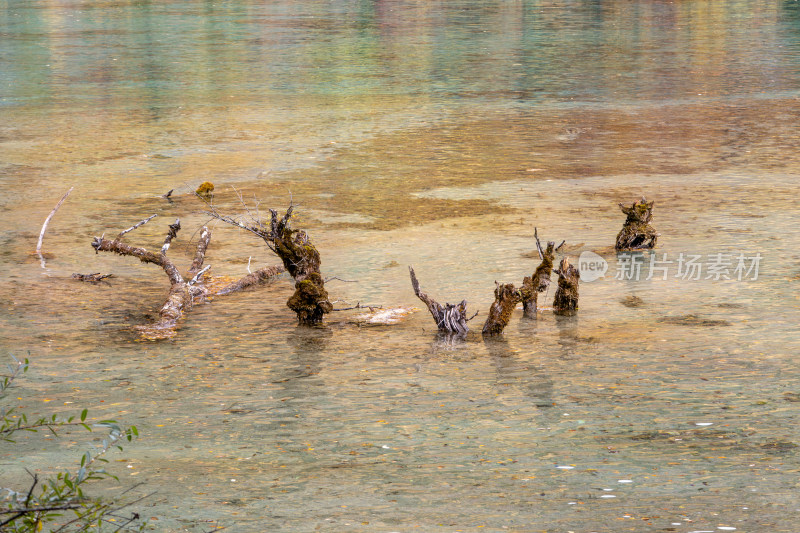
point(432, 134)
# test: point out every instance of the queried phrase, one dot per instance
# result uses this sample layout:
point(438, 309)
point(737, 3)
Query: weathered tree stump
point(506, 298)
point(637, 233)
point(300, 258)
point(184, 291)
point(540, 280)
point(449, 318)
point(565, 301)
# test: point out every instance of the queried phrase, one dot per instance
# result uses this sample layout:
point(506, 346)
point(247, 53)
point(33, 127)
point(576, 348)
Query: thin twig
point(213, 213)
point(538, 244)
point(48, 425)
point(171, 234)
point(33, 486)
point(359, 305)
point(340, 279)
point(254, 218)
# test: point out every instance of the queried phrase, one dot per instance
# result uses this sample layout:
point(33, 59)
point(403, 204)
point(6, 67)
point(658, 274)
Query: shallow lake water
point(432, 134)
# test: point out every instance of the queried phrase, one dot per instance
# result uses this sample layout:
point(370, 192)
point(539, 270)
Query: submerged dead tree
point(540, 280)
point(182, 292)
point(300, 258)
point(566, 298)
point(449, 318)
point(506, 298)
point(185, 290)
point(637, 233)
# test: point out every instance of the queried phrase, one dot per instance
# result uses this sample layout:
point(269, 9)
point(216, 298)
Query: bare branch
point(340, 279)
point(91, 278)
point(213, 213)
point(44, 226)
point(255, 278)
point(174, 228)
point(138, 224)
point(359, 305)
point(538, 244)
point(255, 218)
point(198, 275)
point(200, 254)
point(47, 220)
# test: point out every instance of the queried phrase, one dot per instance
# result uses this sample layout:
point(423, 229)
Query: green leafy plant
point(58, 501)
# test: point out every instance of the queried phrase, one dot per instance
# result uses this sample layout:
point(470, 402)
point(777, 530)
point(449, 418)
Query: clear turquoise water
point(437, 134)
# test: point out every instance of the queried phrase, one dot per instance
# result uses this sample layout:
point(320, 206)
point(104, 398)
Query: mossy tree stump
point(637, 233)
point(300, 258)
point(540, 280)
point(506, 298)
point(565, 301)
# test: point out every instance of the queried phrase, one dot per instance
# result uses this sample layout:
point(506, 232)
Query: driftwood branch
point(46, 222)
point(259, 276)
point(137, 225)
point(174, 228)
point(449, 318)
point(92, 278)
point(200, 253)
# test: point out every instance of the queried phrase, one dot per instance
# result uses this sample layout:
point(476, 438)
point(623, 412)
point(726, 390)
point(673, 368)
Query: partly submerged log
point(185, 291)
point(300, 258)
point(540, 280)
point(637, 233)
point(506, 298)
point(449, 318)
point(566, 298)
